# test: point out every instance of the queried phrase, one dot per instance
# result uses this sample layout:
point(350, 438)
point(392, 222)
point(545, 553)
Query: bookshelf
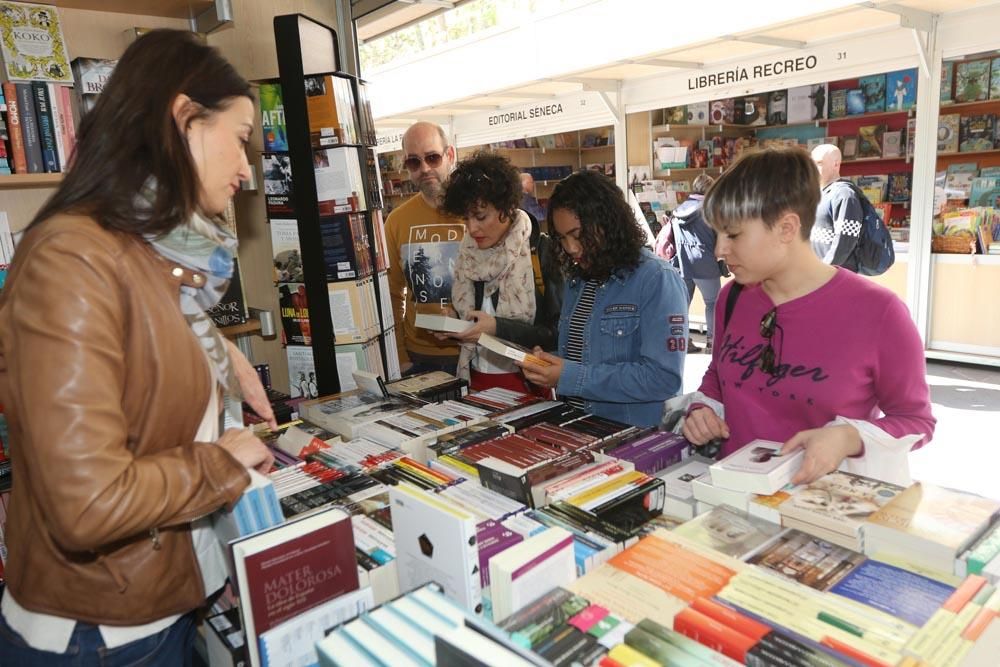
point(336, 318)
point(14, 181)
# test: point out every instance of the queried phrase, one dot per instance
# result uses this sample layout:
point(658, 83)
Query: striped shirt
point(577, 327)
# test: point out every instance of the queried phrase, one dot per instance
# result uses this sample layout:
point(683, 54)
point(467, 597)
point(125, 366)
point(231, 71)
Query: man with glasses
point(423, 245)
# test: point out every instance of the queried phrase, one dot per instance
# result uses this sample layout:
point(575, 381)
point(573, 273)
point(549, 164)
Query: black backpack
point(874, 253)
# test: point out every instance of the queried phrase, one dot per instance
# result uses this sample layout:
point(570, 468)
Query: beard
point(430, 188)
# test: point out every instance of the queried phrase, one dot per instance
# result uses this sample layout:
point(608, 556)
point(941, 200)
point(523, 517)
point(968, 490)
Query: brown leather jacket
point(104, 387)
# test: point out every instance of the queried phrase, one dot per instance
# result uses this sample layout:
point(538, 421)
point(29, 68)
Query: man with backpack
point(848, 231)
point(839, 215)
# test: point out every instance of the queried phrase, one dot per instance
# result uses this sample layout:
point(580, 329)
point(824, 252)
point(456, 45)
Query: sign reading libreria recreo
point(756, 72)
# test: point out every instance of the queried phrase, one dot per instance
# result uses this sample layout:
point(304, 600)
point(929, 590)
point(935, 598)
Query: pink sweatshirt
point(848, 349)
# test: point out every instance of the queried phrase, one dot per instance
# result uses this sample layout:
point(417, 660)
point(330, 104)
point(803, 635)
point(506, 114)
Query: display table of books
point(417, 524)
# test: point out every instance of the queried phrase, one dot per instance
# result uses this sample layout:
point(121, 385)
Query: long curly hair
point(611, 238)
point(483, 178)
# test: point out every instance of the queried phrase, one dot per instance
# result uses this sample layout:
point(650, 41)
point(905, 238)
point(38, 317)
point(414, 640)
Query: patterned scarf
point(506, 267)
point(205, 248)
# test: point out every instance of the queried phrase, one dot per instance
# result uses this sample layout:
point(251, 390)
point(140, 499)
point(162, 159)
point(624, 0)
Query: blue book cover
point(855, 101)
point(901, 90)
point(906, 595)
point(873, 88)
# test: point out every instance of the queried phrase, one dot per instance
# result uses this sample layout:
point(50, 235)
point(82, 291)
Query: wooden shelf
point(250, 326)
point(993, 151)
point(596, 148)
point(176, 9)
point(716, 128)
point(862, 116)
point(667, 173)
point(965, 106)
point(875, 159)
point(30, 180)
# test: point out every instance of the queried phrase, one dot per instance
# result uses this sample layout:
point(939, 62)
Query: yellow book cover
point(585, 497)
point(325, 127)
point(32, 43)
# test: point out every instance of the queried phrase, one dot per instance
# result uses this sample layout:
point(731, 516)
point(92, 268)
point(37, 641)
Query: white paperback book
point(526, 571)
point(441, 323)
point(435, 541)
point(757, 467)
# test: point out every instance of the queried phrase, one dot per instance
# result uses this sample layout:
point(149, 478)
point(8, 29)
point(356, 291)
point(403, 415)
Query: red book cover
point(732, 618)
point(19, 159)
point(713, 634)
point(300, 573)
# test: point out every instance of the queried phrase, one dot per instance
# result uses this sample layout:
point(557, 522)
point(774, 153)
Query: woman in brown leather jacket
point(112, 376)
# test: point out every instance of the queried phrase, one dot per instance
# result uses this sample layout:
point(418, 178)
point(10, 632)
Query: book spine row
point(37, 133)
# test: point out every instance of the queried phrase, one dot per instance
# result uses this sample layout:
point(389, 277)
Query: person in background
point(423, 243)
point(529, 203)
point(113, 380)
point(839, 213)
point(812, 356)
point(623, 328)
point(504, 288)
point(694, 241)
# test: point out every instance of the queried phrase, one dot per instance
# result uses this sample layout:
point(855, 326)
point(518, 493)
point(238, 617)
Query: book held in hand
point(510, 350)
point(441, 323)
point(758, 467)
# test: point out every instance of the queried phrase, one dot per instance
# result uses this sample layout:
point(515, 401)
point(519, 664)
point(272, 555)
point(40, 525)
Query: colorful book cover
point(777, 107)
point(947, 80)
point(873, 88)
point(901, 90)
point(272, 113)
point(721, 111)
point(675, 115)
point(838, 103)
point(900, 186)
point(294, 307)
point(995, 79)
point(277, 170)
point(985, 191)
point(972, 80)
point(947, 134)
point(32, 43)
point(855, 102)
point(976, 133)
point(807, 559)
point(906, 595)
point(752, 110)
point(870, 140)
point(838, 501)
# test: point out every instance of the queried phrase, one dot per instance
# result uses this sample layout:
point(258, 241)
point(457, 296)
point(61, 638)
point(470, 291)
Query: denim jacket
point(634, 343)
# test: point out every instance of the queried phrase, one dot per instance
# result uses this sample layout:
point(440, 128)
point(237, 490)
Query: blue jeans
point(171, 647)
point(709, 288)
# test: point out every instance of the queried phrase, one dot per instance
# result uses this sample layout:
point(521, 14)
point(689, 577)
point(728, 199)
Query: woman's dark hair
point(765, 185)
point(612, 239)
point(130, 135)
point(483, 178)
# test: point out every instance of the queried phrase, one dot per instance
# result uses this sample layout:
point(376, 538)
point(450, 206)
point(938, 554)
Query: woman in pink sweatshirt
point(810, 355)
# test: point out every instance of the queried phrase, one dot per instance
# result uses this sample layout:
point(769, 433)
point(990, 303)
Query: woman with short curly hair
point(623, 327)
point(499, 284)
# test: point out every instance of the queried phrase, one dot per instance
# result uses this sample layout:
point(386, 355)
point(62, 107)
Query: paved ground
point(965, 452)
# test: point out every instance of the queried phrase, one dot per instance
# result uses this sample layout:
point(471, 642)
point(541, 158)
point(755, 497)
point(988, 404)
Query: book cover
point(901, 90)
point(285, 251)
point(900, 186)
point(777, 107)
point(232, 307)
point(838, 103)
point(947, 80)
point(301, 372)
point(697, 114)
point(510, 350)
point(870, 141)
point(721, 111)
point(272, 113)
point(294, 307)
point(849, 147)
point(972, 80)
point(948, 133)
point(807, 559)
point(91, 75)
point(32, 43)
point(278, 191)
point(873, 89)
point(906, 595)
point(975, 133)
point(521, 571)
point(855, 101)
point(932, 515)
point(435, 541)
point(984, 192)
point(293, 568)
point(800, 104)
point(839, 501)
point(892, 144)
point(46, 127)
point(675, 115)
point(29, 128)
point(751, 110)
point(18, 157)
point(729, 531)
point(757, 467)
point(441, 323)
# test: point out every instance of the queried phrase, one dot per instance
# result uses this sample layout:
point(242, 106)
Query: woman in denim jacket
point(623, 325)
